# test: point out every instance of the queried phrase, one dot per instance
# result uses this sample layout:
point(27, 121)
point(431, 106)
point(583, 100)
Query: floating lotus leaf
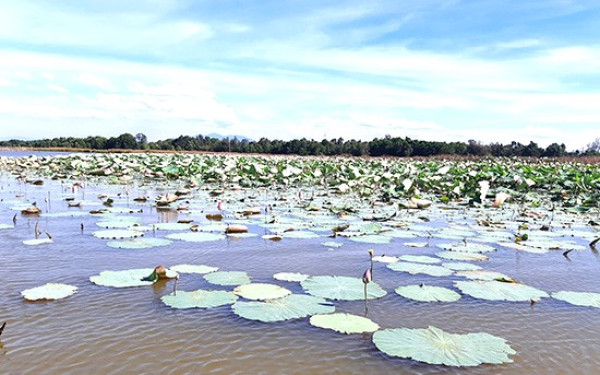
point(332, 244)
point(415, 268)
point(37, 241)
point(482, 275)
point(242, 235)
point(293, 306)
point(196, 236)
point(419, 259)
point(500, 291)
point(344, 323)
point(341, 288)
point(125, 278)
point(50, 291)
point(190, 268)
point(220, 228)
point(300, 234)
point(453, 255)
point(468, 247)
point(6, 226)
point(199, 299)
point(116, 224)
point(117, 234)
point(227, 278)
point(400, 234)
point(372, 238)
point(579, 298)
point(261, 291)
point(520, 247)
point(385, 259)
point(457, 266)
point(449, 233)
point(139, 243)
point(428, 293)
point(416, 244)
point(290, 276)
point(171, 226)
point(434, 346)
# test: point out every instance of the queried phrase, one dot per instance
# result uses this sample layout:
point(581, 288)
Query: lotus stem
point(2, 328)
point(175, 285)
point(594, 242)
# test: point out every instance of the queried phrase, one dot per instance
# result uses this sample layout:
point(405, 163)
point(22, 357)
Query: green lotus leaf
point(290, 276)
point(196, 236)
point(139, 243)
point(458, 266)
point(344, 323)
point(117, 234)
point(300, 234)
point(227, 278)
point(400, 234)
point(415, 268)
point(434, 346)
point(37, 241)
point(293, 306)
point(420, 259)
point(468, 247)
point(116, 224)
point(453, 255)
point(261, 291)
point(6, 226)
point(190, 268)
point(520, 247)
point(332, 244)
point(341, 288)
point(482, 275)
point(204, 299)
point(385, 259)
point(500, 291)
point(171, 226)
point(50, 291)
point(242, 235)
point(123, 279)
point(427, 293)
point(578, 298)
point(372, 238)
point(416, 244)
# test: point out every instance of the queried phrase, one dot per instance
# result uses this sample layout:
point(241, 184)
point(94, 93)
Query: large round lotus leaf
point(415, 268)
point(344, 323)
point(190, 268)
point(500, 291)
point(261, 291)
point(172, 226)
point(242, 235)
point(301, 234)
point(196, 236)
point(117, 234)
point(454, 234)
point(37, 241)
point(199, 298)
point(519, 247)
point(420, 259)
point(434, 346)
point(385, 259)
point(49, 291)
point(122, 279)
point(341, 288)
point(139, 243)
point(372, 238)
point(428, 293)
point(453, 255)
point(579, 298)
point(468, 247)
point(290, 276)
point(227, 278)
point(293, 306)
point(400, 234)
point(483, 275)
point(458, 266)
point(115, 224)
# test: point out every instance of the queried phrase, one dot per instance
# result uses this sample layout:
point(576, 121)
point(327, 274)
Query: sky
point(484, 70)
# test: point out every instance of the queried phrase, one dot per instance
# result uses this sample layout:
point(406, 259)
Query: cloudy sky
point(488, 70)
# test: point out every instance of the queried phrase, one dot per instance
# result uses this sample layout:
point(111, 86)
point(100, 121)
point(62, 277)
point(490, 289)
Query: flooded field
point(130, 330)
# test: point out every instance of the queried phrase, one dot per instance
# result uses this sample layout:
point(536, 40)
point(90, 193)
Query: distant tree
point(555, 150)
point(593, 147)
point(141, 139)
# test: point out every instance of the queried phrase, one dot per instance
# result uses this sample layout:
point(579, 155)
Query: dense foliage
point(389, 146)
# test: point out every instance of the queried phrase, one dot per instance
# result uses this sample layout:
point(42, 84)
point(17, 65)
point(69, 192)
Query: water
point(130, 331)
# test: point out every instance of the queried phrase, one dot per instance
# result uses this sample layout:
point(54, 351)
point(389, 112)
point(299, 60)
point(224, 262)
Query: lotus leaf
point(458, 266)
point(344, 323)
point(293, 306)
point(500, 291)
point(468, 247)
point(400, 234)
point(415, 268)
point(428, 293)
point(139, 243)
point(117, 234)
point(385, 259)
point(116, 224)
point(416, 244)
point(419, 259)
point(434, 346)
point(579, 298)
point(341, 288)
point(261, 291)
point(482, 275)
point(227, 278)
point(171, 226)
point(290, 276)
point(199, 299)
point(122, 279)
point(332, 244)
point(372, 238)
point(6, 226)
point(300, 234)
point(37, 241)
point(196, 236)
point(452, 255)
point(50, 291)
point(520, 247)
point(190, 268)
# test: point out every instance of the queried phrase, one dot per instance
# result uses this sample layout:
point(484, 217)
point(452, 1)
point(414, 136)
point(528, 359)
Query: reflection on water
point(129, 331)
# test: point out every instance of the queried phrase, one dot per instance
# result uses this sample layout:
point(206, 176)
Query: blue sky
point(492, 71)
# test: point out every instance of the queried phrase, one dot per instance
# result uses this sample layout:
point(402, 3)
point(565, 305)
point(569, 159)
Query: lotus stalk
point(2, 328)
point(366, 279)
point(15, 219)
point(175, 285)
point(371, 256)
point(36, 230)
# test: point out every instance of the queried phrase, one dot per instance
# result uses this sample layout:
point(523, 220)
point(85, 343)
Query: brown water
point(102, 330)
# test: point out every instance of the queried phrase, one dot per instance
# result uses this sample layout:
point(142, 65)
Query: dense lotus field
point(485, 205)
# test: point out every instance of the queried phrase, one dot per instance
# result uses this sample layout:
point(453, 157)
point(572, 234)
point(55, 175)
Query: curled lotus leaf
point(126, 278)
point(199, 299)
point(468, 247)
point(344, 323)
point(191, 268)
point(460, 266)
point(427, 293)
point(453, 255)
point(261, 291)
point(435, 346)
point(385, 259)
point(500, 291)
point(290, 276)
point(293, 306)
point(483, 275)
point(50, 291)
point(227, 278)
point(139, 243)
point(341, 288)
point(117, 234)
point(420, 259)
point(578, 298)
point(196, 236)
point(415, 268)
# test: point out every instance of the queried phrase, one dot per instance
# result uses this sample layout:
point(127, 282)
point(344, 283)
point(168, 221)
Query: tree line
point(387, 146)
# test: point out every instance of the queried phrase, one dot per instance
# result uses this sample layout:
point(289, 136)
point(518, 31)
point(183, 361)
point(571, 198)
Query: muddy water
point(103, 330)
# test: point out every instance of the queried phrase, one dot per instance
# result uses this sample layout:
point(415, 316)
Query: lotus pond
point(478, 266)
